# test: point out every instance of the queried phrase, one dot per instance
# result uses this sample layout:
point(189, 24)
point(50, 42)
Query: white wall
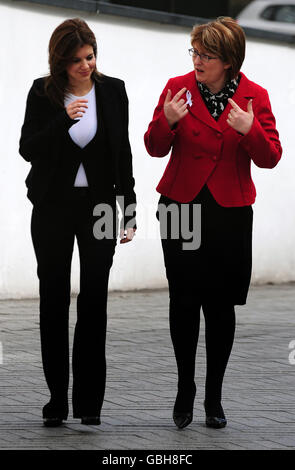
point(145, 55)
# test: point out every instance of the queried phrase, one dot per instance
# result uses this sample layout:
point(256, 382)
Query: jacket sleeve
point(262, 141)
point(159, 137)
point(40, 128)
point(126, 178)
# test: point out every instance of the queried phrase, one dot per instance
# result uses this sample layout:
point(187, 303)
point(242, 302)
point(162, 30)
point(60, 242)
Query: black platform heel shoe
point(94, 420)
point(54, 413)
point(215, 417)
point(183, 408)
point(52, 422)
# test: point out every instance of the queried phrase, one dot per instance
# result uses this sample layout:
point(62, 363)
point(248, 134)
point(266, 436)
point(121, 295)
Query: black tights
point(219, 334)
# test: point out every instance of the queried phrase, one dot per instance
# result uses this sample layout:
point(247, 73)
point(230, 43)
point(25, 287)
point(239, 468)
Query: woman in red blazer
point(215, 121)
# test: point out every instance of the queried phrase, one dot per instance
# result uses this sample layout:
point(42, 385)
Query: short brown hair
point(224, 38)
point(64, 42)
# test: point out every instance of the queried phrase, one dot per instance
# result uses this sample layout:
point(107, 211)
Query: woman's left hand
point(240, 120)
point(127, 235)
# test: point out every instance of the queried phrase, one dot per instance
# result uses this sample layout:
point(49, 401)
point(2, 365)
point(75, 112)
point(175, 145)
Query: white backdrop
point(144, 55)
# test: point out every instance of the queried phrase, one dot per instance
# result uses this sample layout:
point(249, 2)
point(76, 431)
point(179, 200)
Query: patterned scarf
point(217, 102)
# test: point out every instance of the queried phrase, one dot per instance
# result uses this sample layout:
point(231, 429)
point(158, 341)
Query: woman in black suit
point(75, 135)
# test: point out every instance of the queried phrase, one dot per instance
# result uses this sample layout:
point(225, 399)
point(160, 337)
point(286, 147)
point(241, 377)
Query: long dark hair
point(64, 42)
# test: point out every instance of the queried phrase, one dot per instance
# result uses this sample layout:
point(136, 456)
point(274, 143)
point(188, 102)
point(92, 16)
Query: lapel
point(109, 110)
point(200, 111)
point(242, 95)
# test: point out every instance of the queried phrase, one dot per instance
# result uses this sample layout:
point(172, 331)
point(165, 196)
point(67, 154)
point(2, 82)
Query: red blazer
point(209, 151)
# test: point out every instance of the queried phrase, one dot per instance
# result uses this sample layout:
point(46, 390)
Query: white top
point(84, 131)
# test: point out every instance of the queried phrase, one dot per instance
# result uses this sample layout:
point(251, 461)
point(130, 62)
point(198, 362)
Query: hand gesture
point(175, 108)
point(127, 235)
point(76, 108)
point(240, 120)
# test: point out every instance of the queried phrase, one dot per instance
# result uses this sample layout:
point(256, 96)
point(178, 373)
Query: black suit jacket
point(45, 130)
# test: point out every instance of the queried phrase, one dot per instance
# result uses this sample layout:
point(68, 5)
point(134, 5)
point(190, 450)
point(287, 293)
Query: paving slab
point(259, 386)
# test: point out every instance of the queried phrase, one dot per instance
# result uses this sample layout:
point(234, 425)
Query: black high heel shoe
point(183, 408)
point(182, 419)
point(215, 417)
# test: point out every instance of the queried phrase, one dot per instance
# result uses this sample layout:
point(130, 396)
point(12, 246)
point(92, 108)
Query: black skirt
point(220, 267)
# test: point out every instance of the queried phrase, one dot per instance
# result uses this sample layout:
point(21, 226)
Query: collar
point(244, 92)
point(228, 89)
point(216, 102)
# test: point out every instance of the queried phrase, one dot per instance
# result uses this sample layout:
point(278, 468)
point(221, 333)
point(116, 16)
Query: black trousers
point(54, 226)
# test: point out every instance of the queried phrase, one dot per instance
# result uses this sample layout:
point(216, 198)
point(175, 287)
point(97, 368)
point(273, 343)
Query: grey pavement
point(259, 387)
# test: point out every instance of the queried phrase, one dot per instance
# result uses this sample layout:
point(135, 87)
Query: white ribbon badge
point(189, 98)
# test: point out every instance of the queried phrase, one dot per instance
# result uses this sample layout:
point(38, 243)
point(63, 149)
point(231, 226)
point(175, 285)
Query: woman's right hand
point(76, 108)
point(175, 108)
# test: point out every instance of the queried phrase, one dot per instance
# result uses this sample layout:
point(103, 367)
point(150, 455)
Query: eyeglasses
point(204, 57)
